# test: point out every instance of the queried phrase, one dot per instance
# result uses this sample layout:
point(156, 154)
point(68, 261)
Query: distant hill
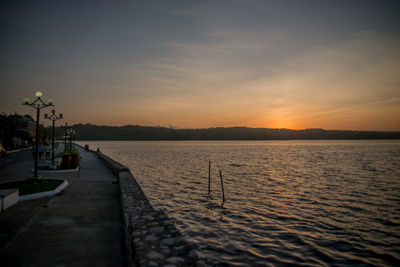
point(136, 132)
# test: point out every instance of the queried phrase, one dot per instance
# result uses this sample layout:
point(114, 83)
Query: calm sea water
point(287, 202)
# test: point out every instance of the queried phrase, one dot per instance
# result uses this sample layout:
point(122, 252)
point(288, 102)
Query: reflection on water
point(289, 202)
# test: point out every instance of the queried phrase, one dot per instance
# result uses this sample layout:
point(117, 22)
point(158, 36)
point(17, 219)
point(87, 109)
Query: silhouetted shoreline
point(148, 133)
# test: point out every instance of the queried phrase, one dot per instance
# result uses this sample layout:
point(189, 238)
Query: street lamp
point(72, 134)
point(38, 104)
point(66, 127)
point(53, 117)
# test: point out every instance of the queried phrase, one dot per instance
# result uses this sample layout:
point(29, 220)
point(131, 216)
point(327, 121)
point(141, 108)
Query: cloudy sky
point(198, 64)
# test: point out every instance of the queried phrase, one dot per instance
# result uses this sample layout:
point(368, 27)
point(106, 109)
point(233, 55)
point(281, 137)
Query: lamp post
point(65, 137)
point(53, 117)
point(70, 138)
point(72, 134)
point(38, 104)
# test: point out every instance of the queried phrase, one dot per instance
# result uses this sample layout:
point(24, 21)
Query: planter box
point(75, 160)
point(9, 197)
point(66, 161)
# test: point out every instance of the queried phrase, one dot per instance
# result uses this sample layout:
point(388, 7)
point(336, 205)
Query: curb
point(57, 171)
point(13, 151)
point(44, 194)
point(18, 150)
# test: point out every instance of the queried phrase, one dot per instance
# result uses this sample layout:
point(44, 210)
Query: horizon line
point(230, 127)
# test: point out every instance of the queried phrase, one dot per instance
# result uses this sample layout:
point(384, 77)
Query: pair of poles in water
point(209, 182)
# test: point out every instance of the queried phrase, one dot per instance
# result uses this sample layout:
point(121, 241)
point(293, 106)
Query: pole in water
point(209, 177)
point(222, 187)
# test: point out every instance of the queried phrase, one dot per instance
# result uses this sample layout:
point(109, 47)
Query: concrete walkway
point(80, 227)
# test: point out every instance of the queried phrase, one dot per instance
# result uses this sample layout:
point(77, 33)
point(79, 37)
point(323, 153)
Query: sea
point(287, 203)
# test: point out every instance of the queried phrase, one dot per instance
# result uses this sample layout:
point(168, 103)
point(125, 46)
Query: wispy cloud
point(359, 73)
point(201, 64)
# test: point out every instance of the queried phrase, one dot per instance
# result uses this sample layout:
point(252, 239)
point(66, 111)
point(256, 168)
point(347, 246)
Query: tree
point(13, 126)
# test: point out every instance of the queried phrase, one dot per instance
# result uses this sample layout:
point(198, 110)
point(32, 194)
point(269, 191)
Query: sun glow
point(278, 122)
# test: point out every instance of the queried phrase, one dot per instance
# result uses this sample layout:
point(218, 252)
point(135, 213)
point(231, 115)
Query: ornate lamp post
point(38, 104)
point(66, 127)
point(72, 134)
point(53, 117)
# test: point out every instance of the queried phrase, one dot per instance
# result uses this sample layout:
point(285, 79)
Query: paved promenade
point(79, 227)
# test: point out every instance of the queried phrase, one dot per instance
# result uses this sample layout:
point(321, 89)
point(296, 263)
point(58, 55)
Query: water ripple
point(297, 203)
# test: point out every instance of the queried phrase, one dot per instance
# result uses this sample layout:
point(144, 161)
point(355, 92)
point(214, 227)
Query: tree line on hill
point(136, 132)
point(14, 133)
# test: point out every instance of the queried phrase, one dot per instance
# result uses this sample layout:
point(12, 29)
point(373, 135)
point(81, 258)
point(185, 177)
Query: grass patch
point(31, 186)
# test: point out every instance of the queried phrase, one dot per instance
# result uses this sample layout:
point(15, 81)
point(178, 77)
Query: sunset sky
point(199, 64)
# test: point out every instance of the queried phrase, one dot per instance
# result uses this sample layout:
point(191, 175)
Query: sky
point(199, 64)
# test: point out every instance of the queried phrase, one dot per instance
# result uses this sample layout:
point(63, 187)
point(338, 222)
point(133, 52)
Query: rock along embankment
point(151, 238)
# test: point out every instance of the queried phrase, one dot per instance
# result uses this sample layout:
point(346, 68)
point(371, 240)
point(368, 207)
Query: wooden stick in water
point(209, 177)
point(222, 187)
